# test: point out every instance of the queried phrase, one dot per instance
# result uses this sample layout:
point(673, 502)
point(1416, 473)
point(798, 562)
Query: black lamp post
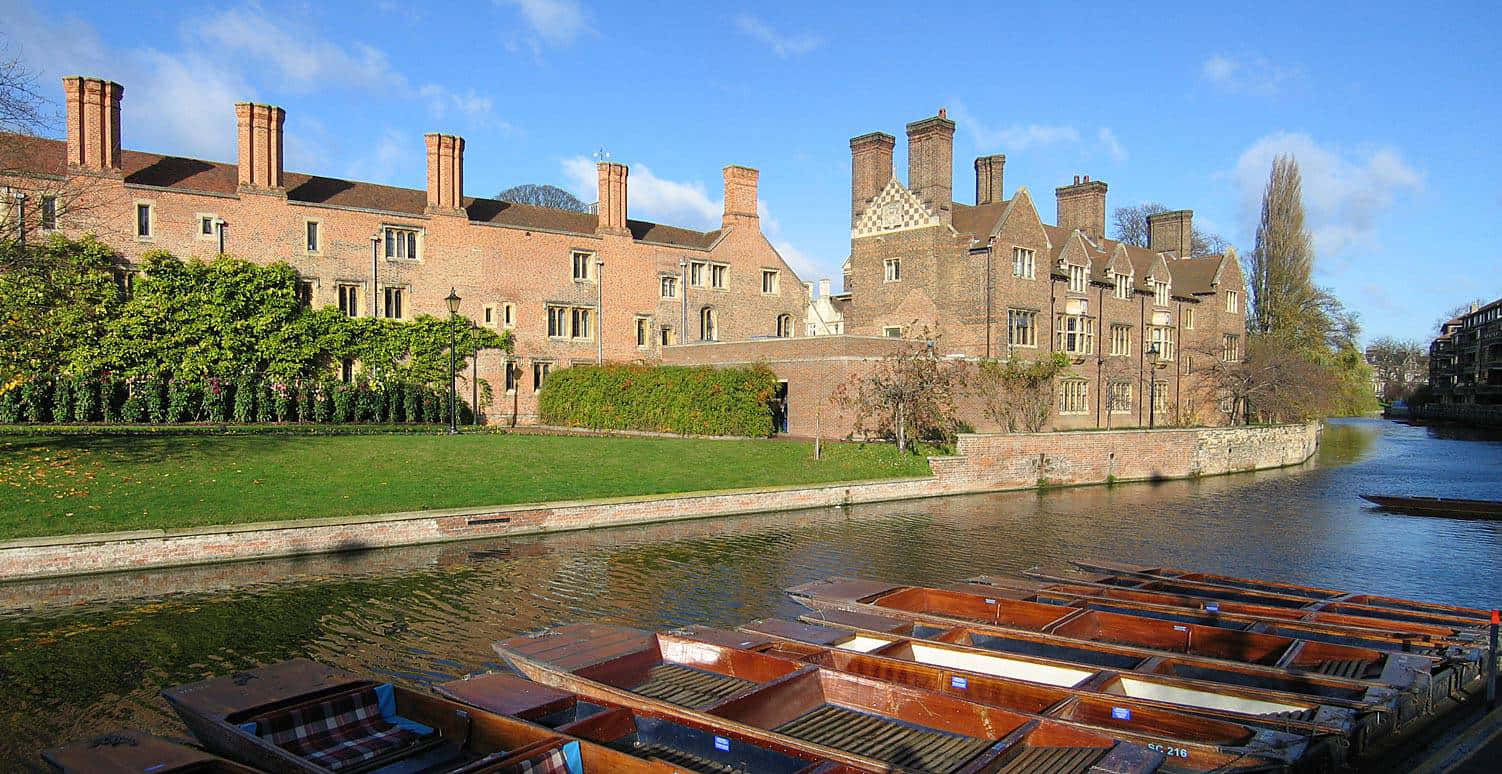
point(1152, 376)
point(453, 302)
point(21, 217)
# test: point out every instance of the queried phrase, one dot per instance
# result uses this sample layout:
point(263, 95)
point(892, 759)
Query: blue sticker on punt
point(961, 683)
point(722, 744)
point(990, 601)
point(1121, 713)
point(1213, 607)
point(156, 767)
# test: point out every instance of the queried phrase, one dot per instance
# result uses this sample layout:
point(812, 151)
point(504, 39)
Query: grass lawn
point(100, 483)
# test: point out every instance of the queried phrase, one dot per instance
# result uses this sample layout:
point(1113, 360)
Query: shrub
point(368, 403)
point(698, 400)
point(156, 401)
point(111, 398)
point(344, 403)
point(394, 403)
point(182, 398)
point(307, 395)
point(216, 400)
point(245, 401)
point(285, 401)
point(432, 407)
point(62, 400)
point(265, 404)
point(133, 409)
point(10, 406)
point(412, 403)
point(36, 400)
point(85, 399)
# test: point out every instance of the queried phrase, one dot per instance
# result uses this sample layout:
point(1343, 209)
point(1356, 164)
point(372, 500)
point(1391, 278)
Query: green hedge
point(699, 400)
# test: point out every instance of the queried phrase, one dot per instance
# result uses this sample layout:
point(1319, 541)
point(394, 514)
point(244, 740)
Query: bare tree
point(1458, 310)
point(909, 394)
point(1018, 393)
point(541, 195)
point(1401, 366)
point(1130, 226)
point(1268, 382)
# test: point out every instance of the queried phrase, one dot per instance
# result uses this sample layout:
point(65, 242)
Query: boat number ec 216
point(1172, 752)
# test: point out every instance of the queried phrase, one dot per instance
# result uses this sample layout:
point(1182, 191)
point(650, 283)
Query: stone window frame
point(489, 317)
point(1186, 316)
point(1084, 334)
point(1079, 277)
point(642, 326)
point(1024, 262)
point(1233, 301)
point(722, 275)
point(508, 315)
point(542, 368)
point(318, 232)
point(784, 326)
point(709, 324)
point(150, 205)
point(418, 242)
point(1074, 397)
point(510, 376)
point(47, 221)
point(1121, 340)
point(698, 273)
point(1160, 398)
point(891, 270)
point(199, 218)
point(668, 282)
point(775, 276)
point(1161, 292)
point(665, 336)
point(1162, 337)
point(891, 331)
point(1117, 403)
point(357, 292)
point(312, 285)
point(1230, 351)
point(403, 301)
point(1031, 340)
point(591, 273)
point(1123, 289)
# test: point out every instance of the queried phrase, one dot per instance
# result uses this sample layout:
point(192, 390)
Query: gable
point(894, 209)
point(1021, 218)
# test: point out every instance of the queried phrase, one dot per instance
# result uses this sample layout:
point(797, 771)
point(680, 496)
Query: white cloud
point(1256, 75)
point(1112, 145)
point(804, 265)
point(556, 22)
point(1346, 191)
point(782, 44)
point(394, 152)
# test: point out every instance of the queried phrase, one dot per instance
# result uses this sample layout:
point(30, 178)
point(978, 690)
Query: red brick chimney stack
point(260, 137)
point(445, 174)
point(740, 197)
point(870, 169)
point(930, 163)
point(1082, 205)
point(1171, 232)
point(611, 208)
point(988, 177)
point(93, 123)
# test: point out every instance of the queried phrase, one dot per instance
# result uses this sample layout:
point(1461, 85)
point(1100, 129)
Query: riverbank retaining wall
point(982, 463)
point(1459, 413)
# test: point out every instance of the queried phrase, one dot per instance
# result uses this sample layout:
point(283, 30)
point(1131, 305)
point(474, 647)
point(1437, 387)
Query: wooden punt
point(132, 752)
point(841, 717)
point(677, 741)
point(1446, 507)
point(1131, 634)
point(220, 712)
point(1055, 588)
point(1191, 743)
point(1243, 709)
point(1314, 598)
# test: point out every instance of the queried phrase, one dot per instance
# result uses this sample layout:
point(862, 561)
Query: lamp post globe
point(453, 303)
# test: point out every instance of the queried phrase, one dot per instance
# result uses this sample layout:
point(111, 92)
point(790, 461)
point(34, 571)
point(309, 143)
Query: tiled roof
point(46, 156)
point(978, 220)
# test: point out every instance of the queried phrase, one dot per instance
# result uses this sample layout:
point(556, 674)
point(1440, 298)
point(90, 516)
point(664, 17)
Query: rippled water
point(83, 656)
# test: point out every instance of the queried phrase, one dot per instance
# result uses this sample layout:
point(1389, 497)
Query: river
point(88, 655)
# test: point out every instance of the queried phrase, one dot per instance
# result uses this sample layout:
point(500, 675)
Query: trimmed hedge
point(691, 400)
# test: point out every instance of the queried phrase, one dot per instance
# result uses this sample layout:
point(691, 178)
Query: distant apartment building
point(1465, 360)
point(826, 310)
point(571, 287)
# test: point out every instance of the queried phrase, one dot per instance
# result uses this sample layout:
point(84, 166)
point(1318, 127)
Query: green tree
point(1018, 393)
point(54, 297)
point(909, 395)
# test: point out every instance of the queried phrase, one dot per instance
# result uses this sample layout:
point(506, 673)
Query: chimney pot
point(93, 114)
point(260, 138)
point(824, 288)
point(611, 209)
point(740, 197)
point(1083, 206)
point(445, 173)
point(988, 179)
point(870, 169)
point(930, 164)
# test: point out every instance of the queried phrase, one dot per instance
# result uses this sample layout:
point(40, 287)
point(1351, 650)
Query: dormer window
point(1160, 293)
point(1078, 277)
point(1123, 286)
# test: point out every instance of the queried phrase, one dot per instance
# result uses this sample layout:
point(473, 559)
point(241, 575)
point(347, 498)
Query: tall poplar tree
point(1285, 302)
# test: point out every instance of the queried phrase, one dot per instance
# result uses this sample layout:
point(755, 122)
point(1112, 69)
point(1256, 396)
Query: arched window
point(784, 326)
point(709, 327)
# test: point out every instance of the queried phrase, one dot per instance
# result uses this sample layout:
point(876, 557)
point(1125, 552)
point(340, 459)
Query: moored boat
point(843, 717)
point(132, 752)
point(1130, 635)
point(1446, 507)
point(1192, 743)
point(301, 716)
point(1311, 597)
point(1063, 589)
point(657, 736)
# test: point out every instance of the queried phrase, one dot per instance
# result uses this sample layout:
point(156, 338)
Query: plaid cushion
point(550, 762)
point(338, 732)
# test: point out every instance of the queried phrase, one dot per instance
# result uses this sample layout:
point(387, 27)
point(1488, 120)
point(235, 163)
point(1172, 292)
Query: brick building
point(993, 279)
point(572, 287)
point(1465, 360)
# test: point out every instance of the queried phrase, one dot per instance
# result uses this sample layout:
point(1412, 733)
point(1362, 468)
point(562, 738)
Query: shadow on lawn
point(139, 449)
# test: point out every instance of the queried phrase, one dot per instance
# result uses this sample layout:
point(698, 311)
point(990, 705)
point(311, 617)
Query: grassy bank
point(53, 485)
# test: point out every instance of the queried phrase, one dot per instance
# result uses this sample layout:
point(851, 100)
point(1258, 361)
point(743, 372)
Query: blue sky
point(1392, 113)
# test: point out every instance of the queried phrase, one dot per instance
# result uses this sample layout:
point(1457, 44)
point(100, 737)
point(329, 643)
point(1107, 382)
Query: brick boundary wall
point(1460, 413)
point(983, 463)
